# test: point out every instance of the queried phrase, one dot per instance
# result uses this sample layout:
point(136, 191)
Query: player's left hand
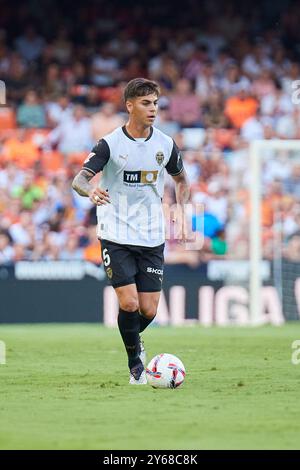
point(99, 196)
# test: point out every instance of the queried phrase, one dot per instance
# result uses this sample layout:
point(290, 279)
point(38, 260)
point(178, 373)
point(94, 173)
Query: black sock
point(144, 322)
point(129, 326)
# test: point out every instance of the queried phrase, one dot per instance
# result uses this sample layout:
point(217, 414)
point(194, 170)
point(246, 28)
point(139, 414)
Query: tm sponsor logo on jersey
point(140, 177)
point(155, 271)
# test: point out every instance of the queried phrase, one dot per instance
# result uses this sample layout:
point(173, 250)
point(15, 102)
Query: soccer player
point(130, 216)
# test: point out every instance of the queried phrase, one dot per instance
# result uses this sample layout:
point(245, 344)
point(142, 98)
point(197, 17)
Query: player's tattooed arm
point(182, 188)
point(81, 184)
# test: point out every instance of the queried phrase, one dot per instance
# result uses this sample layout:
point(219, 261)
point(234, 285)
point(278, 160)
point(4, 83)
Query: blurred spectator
point(28, 192)
point(59, 110)
point(92, 100)
point(213, 110)
point(192, 167)
point(71, 251)
point(6, 250)
point(288, 125)
point(62, 46)
point(212, 38)
point(241, 107)
point(278, 168)
point(287, 79)
point(30, 45)
point(185, 105)
point(20, 150)
point(53, 84)
point(218, 244)
point(277, 103)
point(73, 134)
point(256, 61)
point(78, 81)
point(21, 231)
point(292, 249)
point(31, 113)
point(105, 67)
point(292, 182)
point(194, 65)
point(206, 82)
point(231, 78)
point(17, 80)
point(105, 121)
point(252, 128)
point(4, 60)
point(263, 85)
point(163, 121)
point(165, 71)
point(217, 201)
point(206, 223)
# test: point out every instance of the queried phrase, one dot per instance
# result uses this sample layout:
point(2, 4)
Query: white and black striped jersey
point(133, 174)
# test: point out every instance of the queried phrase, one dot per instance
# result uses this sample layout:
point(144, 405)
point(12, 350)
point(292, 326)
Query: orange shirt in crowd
point(267, 209)
point(22, 152)
point(52, 160)
point(93, 253)
point(238, 110)
point(7, 118)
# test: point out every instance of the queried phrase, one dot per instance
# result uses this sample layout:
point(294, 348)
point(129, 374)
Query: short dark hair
point(140, 87)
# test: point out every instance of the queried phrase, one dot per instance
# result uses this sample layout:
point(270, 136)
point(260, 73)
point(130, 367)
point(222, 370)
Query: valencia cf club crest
point(109, 273)
point(159, 157)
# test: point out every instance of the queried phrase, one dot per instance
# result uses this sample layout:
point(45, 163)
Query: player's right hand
point(99, 196)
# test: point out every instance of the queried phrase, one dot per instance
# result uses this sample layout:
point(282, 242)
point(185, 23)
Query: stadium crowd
point(226, 77)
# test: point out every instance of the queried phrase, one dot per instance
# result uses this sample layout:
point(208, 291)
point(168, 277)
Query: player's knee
point(149, 312)
point(129, 304)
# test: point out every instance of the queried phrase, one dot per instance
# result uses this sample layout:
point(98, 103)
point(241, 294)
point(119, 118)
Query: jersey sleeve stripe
point(88, 169)
point(178, 173)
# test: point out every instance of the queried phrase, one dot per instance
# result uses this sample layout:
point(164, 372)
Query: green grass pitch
point(66, 387)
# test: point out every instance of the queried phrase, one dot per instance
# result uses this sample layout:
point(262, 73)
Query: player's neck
point(137, 130)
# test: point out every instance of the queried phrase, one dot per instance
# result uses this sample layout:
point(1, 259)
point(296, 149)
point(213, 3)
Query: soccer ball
point(165, 371)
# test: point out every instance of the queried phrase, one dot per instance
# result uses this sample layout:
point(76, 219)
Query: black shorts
point(130, 264)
